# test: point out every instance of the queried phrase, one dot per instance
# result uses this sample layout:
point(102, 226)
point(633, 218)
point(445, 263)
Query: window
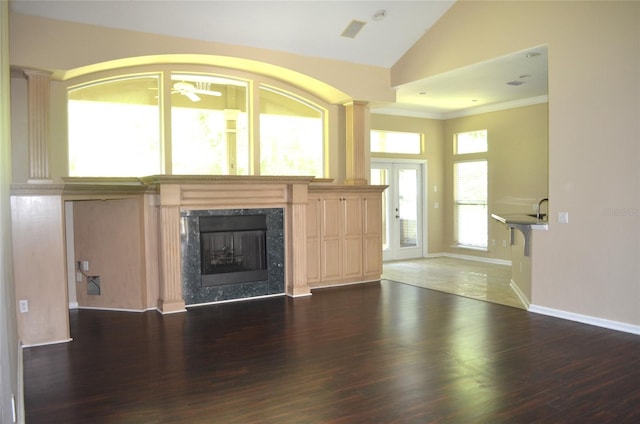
point(114, 128)
point(291, 135)
point(208, 125)
point(396, 142)
point(470, 190)
point(192, 123)
point(470, 142)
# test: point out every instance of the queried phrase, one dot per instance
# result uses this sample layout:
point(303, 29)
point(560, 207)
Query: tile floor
point(477, 280)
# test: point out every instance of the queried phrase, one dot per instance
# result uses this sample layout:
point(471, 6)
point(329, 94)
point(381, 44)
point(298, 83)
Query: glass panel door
point(402, 208)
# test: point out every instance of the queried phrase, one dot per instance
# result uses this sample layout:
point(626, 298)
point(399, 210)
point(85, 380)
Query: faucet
point(540, 206)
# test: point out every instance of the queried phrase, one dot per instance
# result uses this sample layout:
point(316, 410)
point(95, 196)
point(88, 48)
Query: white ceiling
point(313, 28)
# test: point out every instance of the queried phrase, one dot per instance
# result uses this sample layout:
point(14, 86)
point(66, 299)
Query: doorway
point(403, 213)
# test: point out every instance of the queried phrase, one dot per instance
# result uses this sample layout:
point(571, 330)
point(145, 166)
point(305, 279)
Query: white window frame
point(481, 155)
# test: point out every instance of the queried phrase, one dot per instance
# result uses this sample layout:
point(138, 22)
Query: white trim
point(497, 107)
point(586, 319)
point(20, 394)
point(73, 305)
point(47, 343)
point(234, 300)
point(416, 113)
point(520, 294)
point(95, 308)
point(470, 258)
point(178, 311)
point(333, 286)
point(294, 296)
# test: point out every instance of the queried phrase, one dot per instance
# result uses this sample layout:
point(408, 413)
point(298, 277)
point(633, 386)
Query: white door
point(402, 216)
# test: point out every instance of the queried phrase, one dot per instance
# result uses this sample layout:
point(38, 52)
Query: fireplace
point(230, 254)
point(233, 249)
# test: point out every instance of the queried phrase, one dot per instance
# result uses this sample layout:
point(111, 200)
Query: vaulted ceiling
point(315, 28)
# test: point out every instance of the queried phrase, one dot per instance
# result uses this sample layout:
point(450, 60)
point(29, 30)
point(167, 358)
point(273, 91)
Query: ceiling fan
point(191, 91)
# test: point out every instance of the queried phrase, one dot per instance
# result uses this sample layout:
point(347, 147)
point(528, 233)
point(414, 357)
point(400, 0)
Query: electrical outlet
point(78, 277)
point(563, 217)
point(504, 243)
point(24, 306)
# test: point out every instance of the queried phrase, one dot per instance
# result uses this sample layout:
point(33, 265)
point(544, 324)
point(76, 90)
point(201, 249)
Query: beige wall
point(39, 221)
point(109, 234)
point(588, 267)
point(518, 168)
point(68, 48)
point(9, 344)
point(433, 155)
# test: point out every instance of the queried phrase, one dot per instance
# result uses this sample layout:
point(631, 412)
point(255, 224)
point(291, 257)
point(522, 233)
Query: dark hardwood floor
point(373, 353)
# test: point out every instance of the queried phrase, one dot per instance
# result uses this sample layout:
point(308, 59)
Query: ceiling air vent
point(353, 29)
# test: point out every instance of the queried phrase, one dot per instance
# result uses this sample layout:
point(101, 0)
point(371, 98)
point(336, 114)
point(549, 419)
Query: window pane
point(408, 207)
point(114, 128)
point(396, 142)
point(470, 203)
point(471, 142)
point(291, 136)
point(208, 125)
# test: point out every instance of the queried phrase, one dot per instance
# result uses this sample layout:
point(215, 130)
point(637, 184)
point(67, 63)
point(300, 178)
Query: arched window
point(192, 124)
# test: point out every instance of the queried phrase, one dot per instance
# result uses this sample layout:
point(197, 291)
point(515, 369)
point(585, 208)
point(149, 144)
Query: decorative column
point(357, 153)
point(171, 299)
point(296, 230)
point(38, 83)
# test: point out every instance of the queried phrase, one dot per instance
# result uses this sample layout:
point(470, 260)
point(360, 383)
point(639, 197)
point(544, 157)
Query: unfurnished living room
point(319, 211)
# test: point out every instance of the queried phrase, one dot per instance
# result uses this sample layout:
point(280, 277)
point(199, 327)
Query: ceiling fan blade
point(192, 96)
point(208, 92)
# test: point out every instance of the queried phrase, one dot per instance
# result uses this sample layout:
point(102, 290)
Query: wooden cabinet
point(344, 234)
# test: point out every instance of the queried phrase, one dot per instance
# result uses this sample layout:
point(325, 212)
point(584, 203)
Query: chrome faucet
point(540, 206)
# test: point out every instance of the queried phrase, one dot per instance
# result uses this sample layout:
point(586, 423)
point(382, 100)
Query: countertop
point(522, 219)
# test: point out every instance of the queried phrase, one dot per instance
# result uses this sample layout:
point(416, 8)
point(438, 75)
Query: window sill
point(462, 246)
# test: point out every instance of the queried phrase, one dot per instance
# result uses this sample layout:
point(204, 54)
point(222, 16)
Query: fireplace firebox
point(233, 249)
point(258, 255)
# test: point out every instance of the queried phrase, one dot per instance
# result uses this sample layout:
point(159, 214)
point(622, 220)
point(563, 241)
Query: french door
point(402, 215)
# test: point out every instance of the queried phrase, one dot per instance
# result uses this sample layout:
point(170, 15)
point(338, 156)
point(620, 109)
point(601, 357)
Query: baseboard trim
point(47, 343)
point(20, 395)
point(234, 300)
point(469, 258)
point(586, 319)
point(95, 308)
point(520, 294)
point(73, 305)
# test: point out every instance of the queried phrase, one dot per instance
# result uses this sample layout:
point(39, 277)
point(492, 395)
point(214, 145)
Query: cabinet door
point(332, 211)
point(351, 236)
point(314, 224)
point(372, 240)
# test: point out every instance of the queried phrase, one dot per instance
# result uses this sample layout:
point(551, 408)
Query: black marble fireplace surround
point(195, 293)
